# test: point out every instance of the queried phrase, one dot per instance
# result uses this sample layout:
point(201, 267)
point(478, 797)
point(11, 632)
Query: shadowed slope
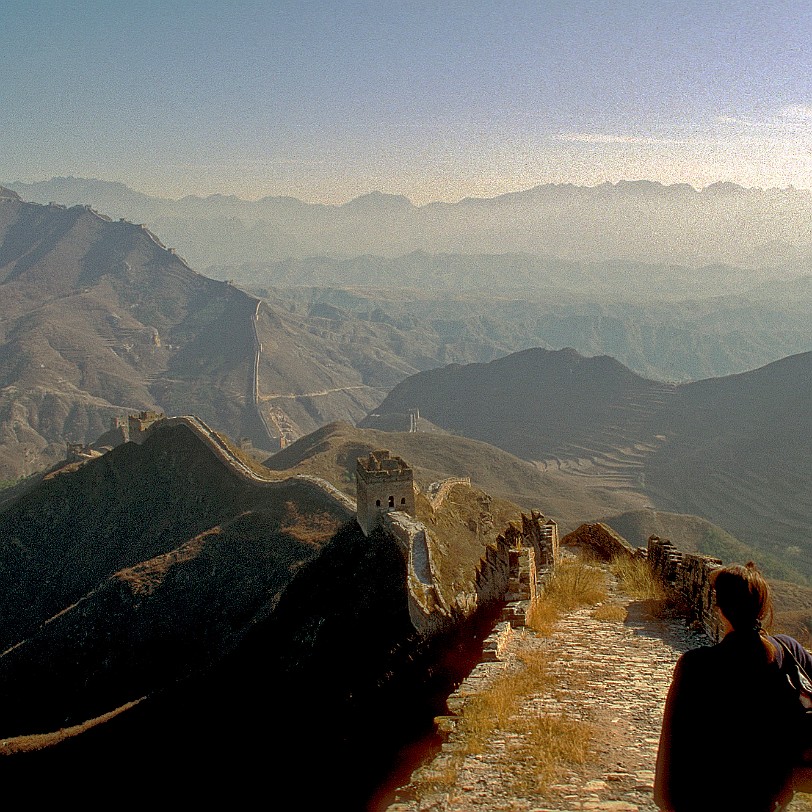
point(135, 574)
point(168, 611)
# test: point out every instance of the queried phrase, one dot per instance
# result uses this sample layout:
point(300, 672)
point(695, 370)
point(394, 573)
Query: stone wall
point(428, 610)
point(437, 491)
point(689, 575)
point(515, 567)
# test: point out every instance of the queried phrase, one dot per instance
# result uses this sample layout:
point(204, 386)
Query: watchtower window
point(377, 503)
point(403, 501)
point(391, 501)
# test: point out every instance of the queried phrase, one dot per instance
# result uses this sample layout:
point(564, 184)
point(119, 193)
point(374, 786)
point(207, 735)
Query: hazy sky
point(434, 100)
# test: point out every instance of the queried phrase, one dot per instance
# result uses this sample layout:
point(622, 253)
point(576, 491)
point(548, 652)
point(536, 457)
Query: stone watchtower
point(384, 483)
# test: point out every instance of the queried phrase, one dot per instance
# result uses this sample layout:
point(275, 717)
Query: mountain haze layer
point(637, 221)
point(99, 319)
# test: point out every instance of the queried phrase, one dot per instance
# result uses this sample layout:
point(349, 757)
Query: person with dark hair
point(725, 742)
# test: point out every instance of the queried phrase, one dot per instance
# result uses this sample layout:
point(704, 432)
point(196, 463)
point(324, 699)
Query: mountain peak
point(376, 199)
point(725, 187)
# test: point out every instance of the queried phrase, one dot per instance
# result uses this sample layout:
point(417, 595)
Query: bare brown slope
point(536, 404)
point(332, 451)
point(211, 625)
point(65, 537)
point(738, 453)
point(142, 568)
point(98, 318)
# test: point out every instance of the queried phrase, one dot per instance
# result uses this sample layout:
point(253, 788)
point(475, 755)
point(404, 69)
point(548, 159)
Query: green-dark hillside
point(139, 567)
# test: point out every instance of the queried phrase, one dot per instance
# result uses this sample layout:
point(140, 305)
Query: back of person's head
point(743, 597)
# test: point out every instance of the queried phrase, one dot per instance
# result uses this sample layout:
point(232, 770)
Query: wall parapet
point(515, 567)
point(689, 575)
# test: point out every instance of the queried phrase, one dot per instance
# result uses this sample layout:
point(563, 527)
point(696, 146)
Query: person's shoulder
point(696, 658)
point(801, 654)
point(793, 645)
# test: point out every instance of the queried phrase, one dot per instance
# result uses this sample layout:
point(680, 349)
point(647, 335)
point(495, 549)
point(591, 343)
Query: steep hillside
point(171, 603)
point(732, 450)
point(536, 404)
point(124, 528)
point(738, 453)
point(98, 318)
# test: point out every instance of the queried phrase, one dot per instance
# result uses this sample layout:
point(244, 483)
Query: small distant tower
point(384, 483)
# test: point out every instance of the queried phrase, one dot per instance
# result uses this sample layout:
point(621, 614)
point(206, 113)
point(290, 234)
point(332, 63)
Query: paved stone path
point(614, 675)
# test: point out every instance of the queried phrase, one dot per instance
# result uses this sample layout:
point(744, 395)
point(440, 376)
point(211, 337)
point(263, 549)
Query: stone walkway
point(614, 675)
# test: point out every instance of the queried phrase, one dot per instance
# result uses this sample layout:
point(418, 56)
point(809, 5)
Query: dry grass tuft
point(541, 746)
point(637, 579)
point(548, 743)
point(494, 707)
point(575, 582)
point(433, 780)
point(611, 613)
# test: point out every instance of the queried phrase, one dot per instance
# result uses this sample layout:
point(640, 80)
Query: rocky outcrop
point(600, 539)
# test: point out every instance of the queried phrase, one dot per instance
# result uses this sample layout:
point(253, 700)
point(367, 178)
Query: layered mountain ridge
point(99, 319)
point(721, 223)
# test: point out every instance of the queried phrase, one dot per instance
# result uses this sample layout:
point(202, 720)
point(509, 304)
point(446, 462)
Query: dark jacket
point(725, 741)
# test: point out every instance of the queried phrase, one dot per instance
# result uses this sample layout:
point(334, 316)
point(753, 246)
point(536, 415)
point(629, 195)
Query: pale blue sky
point(328, 100)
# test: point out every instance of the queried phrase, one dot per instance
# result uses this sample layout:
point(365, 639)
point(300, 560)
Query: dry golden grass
point(548, 743)
point(637, 579)
point(493, 708)
point(542, 745)
point(610, 613)
point(575, 582)
point(39, 741)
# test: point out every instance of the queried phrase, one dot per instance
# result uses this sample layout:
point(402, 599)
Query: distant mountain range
point(733, 450)
point(98, 319)
point(629, 221)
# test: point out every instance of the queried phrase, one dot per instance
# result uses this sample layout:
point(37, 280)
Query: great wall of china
point(510, 575)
